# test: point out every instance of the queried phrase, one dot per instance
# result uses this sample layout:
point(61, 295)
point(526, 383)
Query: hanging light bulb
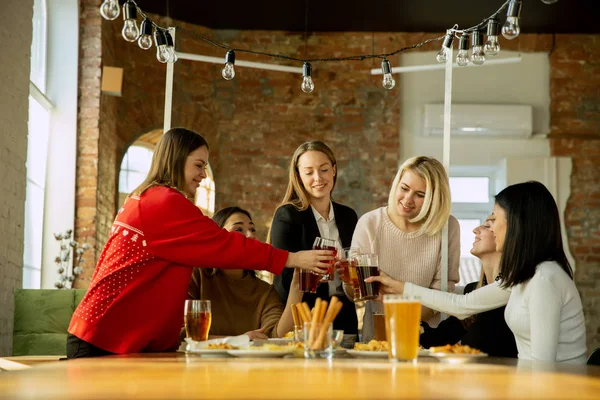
point(229, 70)
point(462, 58)
point(492, 45)
point(130, 29)
point(388, 79)
point(441, 55)
point(477, 55)
point(307, 84)
point(549, 1)
point(511, 28)
point(110, 9)
point(171, 47)
point(145, 39)
point(162, 53)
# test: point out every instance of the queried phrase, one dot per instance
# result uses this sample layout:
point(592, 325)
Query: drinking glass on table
point(402, 325)
point(318, 340)
point(197, 317)
point(367, 265)
point(327, 244)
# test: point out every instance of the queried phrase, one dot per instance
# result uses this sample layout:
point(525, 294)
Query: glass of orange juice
point(402, 325)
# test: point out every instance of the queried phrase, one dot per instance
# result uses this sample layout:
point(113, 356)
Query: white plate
point(259, 353)
point(456, 358)
point(210, 352)
point(368, 354)
point(278, 341)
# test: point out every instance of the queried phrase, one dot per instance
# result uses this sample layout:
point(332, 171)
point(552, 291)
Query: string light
point(477, 55)
point(110, 9)
point(171, 47)
point(229, 70)
point(388, 79)
point(441, 55)
point(130, 30)
point(145, 39)
point(307, 84)
point(511, 28)
point(492, 45)
point(462, 58)
point(162, 53)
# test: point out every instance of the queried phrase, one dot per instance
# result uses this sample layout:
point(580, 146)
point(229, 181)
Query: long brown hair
point(295, 193)
point(168, 160)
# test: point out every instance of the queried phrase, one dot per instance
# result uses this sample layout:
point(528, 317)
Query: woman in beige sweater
point(241, 302)
point(407, 234)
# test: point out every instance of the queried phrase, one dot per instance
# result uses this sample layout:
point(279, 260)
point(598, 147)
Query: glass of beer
point(308, 281)
point(327, 244)
point(197, 317)
point(367, 265)
point(379, 325)
point(402, 325)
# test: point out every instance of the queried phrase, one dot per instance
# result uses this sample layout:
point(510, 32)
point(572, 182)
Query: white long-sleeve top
point(545, 313)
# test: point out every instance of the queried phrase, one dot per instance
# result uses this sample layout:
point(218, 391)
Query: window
point(134, 168)
point(472, 201)
point(205, 195)
point(37, 152)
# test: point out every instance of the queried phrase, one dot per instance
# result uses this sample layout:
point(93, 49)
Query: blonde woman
point(308, 211)
point(407, 234)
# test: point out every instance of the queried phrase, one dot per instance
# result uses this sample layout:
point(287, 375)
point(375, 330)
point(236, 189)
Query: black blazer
point(294, 230)
point(489, 333)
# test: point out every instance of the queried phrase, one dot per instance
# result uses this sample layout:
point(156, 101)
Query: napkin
point(238, 341)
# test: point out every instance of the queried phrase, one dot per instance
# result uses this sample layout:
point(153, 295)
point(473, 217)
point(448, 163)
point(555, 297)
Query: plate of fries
point(456, 353)
point(263, 351)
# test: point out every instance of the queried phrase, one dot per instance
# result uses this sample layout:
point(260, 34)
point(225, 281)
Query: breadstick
point(333, 311)
point(322, 311)
point(314, 320)
point(301, 314)
point(295, 315)
point(306, 311)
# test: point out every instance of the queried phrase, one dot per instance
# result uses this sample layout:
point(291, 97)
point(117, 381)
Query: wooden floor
point(180, 376)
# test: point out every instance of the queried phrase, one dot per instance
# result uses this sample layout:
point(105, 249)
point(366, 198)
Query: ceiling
point(564, 16)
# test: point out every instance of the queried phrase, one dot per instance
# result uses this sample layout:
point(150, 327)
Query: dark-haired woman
point(543, 307)
point(241, 302)
point(136, 297)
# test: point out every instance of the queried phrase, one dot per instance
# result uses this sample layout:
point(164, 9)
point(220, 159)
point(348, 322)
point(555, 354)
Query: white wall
point(524, 83)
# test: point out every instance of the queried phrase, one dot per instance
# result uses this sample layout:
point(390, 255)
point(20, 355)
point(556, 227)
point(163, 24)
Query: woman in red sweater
point(136, 297)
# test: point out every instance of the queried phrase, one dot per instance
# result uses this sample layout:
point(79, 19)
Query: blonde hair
point(436, 206)
point(168, 161)
point(295, 193)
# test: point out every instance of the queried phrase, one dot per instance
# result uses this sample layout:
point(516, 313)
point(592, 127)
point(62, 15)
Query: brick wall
point(254, 123)
point(15, 28)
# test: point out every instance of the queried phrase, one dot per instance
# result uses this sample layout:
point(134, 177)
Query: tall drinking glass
point(346, 266)
point(197, 317)
point(367, 265)
point(402, 325)
point(327, 244)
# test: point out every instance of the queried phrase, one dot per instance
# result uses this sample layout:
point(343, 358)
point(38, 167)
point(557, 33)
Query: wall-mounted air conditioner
point(484, 120)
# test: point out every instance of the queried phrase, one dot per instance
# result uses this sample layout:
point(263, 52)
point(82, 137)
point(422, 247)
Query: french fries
point(454, 348)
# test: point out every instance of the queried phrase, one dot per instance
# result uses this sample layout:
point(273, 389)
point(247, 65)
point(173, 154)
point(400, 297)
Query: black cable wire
point(361, 57)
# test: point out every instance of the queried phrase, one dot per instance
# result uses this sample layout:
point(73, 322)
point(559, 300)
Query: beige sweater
point(409, 257)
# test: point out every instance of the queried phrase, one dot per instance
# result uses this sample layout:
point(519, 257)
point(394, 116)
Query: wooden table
point(177, 376)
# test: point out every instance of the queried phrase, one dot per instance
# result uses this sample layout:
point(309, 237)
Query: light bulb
point(171, 47)
point(462, 58)
point(229, 70)
point(511, 28)
point(173, 56)
point(442, 55)
point(549, 1)
point(130, 30)
point(307, 84)
point(145, 39)
point(110, 9)
point(162, 53)
point(478, 56)
point(388, 79)
point(492, 45)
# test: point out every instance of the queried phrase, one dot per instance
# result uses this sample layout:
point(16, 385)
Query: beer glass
point(402, 325)
point(197, 317)
point(327, 244)
point(367, 265)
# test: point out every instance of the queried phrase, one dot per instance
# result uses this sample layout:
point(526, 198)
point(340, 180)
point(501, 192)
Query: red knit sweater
point(136, 297)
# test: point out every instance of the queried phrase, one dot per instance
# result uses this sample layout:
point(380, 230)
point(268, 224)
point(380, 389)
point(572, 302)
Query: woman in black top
point(487, 331)
point(306, 212)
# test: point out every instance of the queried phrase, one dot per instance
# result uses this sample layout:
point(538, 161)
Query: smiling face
point(410, 194)
point(240, 223)
point(484, 239)
point(194, 170)
point(499, 223)
point(317, 174)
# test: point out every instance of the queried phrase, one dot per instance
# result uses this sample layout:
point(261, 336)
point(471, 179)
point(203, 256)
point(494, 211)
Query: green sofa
point(42, 317)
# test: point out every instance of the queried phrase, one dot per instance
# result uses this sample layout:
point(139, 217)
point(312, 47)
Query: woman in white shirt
point(543, 307)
